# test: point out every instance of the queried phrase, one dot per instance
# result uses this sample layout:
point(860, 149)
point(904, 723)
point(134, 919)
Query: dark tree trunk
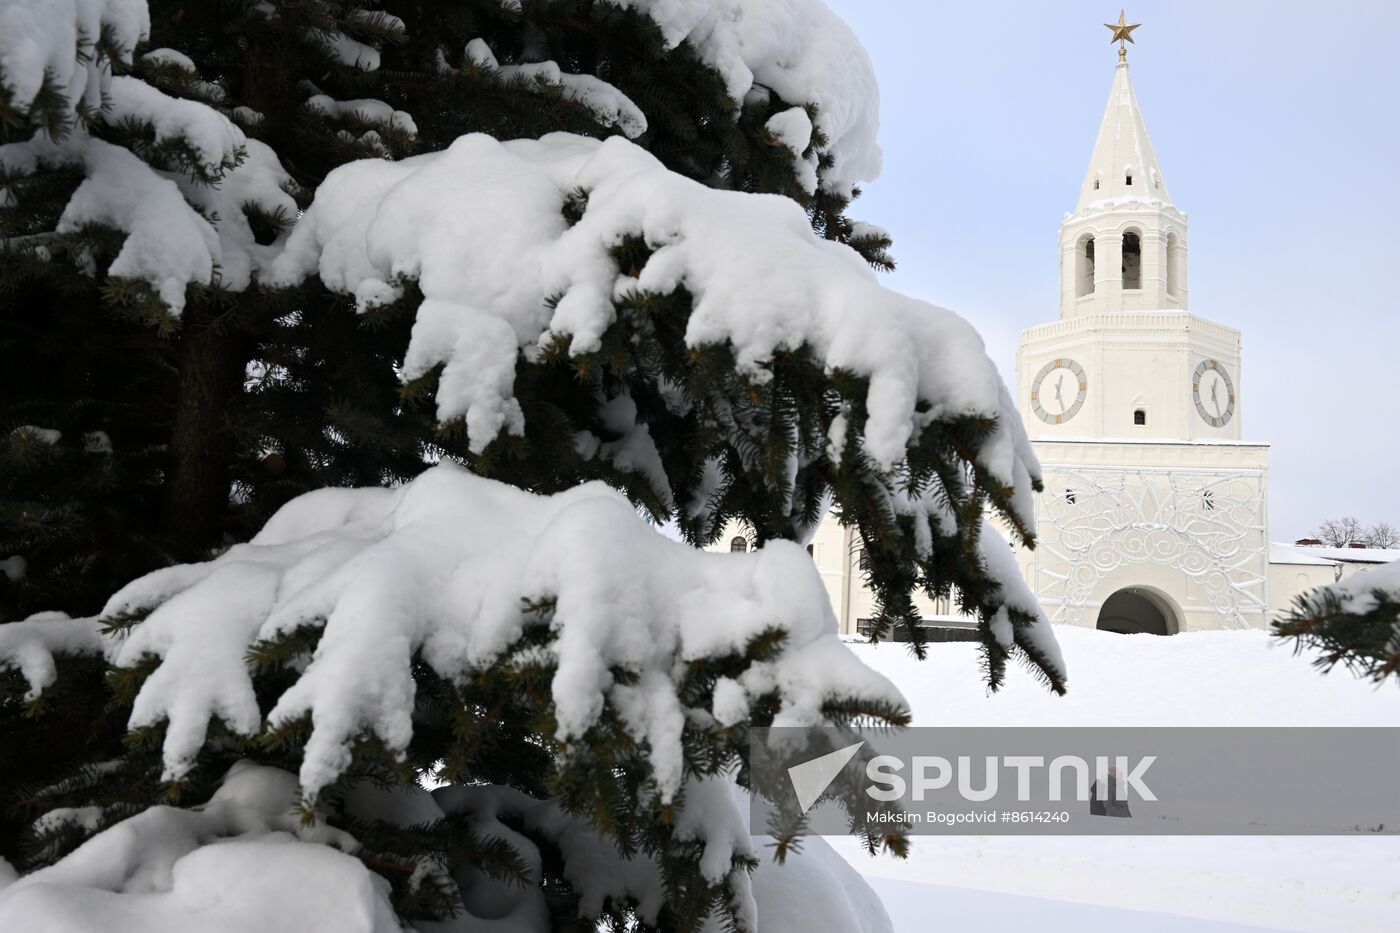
point(201, 442)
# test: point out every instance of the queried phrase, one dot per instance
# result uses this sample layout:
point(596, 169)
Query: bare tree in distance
point(1341, 532)
point(1348, 531)
point(1383, 534)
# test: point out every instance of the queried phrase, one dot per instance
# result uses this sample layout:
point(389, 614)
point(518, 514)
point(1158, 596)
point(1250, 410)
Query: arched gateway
point(1138, 610)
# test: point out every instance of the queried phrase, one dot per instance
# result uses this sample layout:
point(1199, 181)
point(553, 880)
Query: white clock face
point(1214, 393)
point(1059, 390)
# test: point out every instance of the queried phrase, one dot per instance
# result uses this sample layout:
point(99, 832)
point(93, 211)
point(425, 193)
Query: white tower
point(1153, 516)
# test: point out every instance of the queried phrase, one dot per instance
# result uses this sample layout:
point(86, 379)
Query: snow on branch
point(243, 861)
point(800, 50)
point(180, 193)
point(367, 111)
point(446, 567)
point(1362, 593)
point(609, 105)
point(1354, 622)
point(169, 244)
point(482, 228)
point(246, 861)
point(30, 646)
point(51, 47)
point(213, 142)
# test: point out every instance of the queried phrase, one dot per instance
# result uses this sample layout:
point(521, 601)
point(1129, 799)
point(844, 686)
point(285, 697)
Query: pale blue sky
point(1277, 130)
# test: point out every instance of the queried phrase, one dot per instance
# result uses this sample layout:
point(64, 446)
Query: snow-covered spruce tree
point(1354, 623)
point(562, 308)
point(136, 213)
point(220, 381)
point(129, 410)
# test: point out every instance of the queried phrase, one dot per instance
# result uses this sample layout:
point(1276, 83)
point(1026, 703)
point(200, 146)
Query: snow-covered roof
point(1352, 555)
point(1281, 553)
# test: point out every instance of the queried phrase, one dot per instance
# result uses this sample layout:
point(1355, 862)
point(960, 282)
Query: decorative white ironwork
point(1207, 525)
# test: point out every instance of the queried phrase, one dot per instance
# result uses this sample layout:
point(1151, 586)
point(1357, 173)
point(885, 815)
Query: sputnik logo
point(811, 778)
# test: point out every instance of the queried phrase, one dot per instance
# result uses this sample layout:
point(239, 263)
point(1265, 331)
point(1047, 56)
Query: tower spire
point(1123, 163)
point(1122, 34)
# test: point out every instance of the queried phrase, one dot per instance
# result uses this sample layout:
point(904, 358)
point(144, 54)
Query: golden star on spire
point(1122, 34)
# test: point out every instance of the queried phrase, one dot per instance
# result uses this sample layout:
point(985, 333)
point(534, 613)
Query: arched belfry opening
point(1132, 260)
point(1138, 610)
point(1084, 261)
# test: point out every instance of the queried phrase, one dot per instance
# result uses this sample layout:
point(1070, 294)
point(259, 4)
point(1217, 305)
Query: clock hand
point(1059, 389)
point(1215, 399)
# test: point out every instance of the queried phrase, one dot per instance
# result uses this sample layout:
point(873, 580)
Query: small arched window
point(1132, 260)
point(1084, 259)
point(739, 544)
point(1139, 416)
point(1129, 179)
point(1096, 184)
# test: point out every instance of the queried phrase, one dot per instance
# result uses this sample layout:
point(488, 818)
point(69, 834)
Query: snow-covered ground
point(1349, 883)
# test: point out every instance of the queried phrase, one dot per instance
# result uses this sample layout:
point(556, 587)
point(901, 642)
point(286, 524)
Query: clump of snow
point(351, 52)
point(241, 862)
point(800, 50)
point(339, 45)
point(387, 573)
point(861, 230)
point(29, 646)
point(211, 135)
point(14, 568)
point(48, 436)
point(793, 129)
point(248, 116)
point(377, 18)
point(481, 227)
point(260, 181)
point(53, 40)
point(170, 57)
point(89, 818)
point(611, 106)
point(367, 110)
point(168, 244)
